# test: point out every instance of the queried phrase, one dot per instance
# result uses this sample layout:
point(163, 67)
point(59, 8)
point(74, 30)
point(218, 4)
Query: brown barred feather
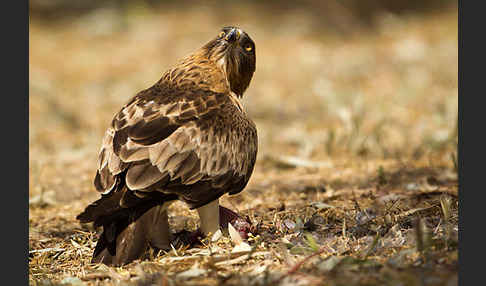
point(143, 175)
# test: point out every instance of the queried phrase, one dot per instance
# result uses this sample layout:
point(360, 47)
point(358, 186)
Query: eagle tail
point(127, 231)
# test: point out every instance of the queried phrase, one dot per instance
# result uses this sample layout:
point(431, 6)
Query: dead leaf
point(235, 236)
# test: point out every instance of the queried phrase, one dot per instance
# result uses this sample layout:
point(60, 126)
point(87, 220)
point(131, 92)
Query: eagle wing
point(194, 143)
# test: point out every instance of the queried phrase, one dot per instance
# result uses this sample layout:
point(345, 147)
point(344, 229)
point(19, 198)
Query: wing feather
point(142, 176)
point(183, 137)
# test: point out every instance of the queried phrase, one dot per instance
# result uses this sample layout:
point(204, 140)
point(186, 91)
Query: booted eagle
point(185, 138)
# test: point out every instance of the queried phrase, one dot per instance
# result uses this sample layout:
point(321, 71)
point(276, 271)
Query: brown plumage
point(186, 137)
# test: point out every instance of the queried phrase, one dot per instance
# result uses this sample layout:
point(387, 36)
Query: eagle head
point(234, 52)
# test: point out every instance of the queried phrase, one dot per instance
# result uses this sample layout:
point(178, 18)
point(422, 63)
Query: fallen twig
point(46, 250)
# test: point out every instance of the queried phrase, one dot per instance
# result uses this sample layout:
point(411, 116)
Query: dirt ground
point(356, 176)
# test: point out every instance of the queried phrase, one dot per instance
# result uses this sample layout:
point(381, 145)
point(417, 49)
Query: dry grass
point(355, 182)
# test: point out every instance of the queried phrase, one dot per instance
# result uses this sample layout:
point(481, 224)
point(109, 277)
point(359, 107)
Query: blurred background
point(337, 82)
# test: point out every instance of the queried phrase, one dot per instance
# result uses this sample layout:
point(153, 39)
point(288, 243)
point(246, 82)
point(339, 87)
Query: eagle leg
point(209, 216)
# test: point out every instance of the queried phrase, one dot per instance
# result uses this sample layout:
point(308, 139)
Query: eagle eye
point(248, 47)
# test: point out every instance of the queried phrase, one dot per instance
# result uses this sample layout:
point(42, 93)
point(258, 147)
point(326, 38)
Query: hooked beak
point(232, 35)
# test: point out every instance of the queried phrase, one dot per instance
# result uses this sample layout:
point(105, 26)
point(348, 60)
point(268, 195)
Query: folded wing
point(193, 143)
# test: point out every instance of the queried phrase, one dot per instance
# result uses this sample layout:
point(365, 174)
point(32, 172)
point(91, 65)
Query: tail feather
point(104, 208)
point(127, 230)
